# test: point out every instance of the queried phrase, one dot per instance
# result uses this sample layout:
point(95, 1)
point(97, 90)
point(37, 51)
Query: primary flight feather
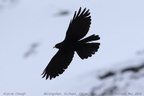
point(73, 42)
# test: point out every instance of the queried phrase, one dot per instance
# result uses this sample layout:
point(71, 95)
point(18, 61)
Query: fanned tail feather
point(87, 50)
point(90, 38)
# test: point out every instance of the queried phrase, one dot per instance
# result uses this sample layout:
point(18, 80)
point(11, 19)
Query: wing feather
point(58, 64)
point(79, 25)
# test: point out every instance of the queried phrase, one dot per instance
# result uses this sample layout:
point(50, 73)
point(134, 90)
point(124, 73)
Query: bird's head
point(58, 46)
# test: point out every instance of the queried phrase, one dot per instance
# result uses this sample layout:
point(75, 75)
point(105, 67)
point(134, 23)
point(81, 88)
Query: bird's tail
point(90, 38)
point(86, 49)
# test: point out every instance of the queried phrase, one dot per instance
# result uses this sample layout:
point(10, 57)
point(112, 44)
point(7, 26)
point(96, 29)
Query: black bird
point(73, 42)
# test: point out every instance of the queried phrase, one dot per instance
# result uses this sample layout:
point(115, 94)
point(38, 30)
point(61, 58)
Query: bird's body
point(72, 43)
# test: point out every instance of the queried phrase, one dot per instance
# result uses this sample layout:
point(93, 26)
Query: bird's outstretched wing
point(58, 64)
point(79, 25)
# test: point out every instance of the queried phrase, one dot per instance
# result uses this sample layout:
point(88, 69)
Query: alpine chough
point(72, 43)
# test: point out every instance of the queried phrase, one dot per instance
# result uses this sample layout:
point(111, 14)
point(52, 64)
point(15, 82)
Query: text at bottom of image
point(14, 94)
point(65, 94)
point(74, 94)
point(95, 94)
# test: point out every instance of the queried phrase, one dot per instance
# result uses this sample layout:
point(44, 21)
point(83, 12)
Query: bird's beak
point(54, 47)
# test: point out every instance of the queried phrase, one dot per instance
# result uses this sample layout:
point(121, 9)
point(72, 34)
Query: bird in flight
point(73, 42)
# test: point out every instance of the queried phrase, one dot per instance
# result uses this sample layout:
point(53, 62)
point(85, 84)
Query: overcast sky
point(119, 23)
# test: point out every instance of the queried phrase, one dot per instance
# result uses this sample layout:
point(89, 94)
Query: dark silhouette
point(73, 41)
